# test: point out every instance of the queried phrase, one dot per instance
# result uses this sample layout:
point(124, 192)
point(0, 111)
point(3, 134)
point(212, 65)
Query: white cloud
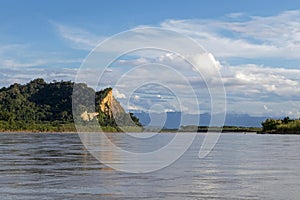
point(255, 37)
point(134, 62)
point(252, 89)
point(257, 85)
point(78, 38)
point(264, 80)
point(12, 47)
point(263, 91)
point(118, 95)
point(15, 75)
point(136, 97)
point(19, 63)
point(11, 63)
point(236, 15)
point(134, 108)
point(22, 57)
point(275, 36)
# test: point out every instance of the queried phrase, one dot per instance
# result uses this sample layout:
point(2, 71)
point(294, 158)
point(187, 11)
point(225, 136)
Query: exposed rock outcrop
point(110, 106)
point(111, 113)
point(85, 116)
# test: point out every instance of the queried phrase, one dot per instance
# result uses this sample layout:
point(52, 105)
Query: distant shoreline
point(162, 132)
point(189, 129)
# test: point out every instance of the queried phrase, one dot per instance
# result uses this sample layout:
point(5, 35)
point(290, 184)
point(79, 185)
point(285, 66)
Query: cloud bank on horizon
point(257, 57)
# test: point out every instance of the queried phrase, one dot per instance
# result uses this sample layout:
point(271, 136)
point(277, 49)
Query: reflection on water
point(137, 155)
point(57, 166)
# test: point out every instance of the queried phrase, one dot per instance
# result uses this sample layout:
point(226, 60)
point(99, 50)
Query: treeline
point(42, 106)
point(281, 126)
point(223, 129)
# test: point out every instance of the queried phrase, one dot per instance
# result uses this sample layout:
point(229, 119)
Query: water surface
point(57, 166)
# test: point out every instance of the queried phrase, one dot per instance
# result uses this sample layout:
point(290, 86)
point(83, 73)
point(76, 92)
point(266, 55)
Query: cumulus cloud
point(251, 88)
point(260, 90)
point(257, 86)
point(254, 80)
point(118, 95)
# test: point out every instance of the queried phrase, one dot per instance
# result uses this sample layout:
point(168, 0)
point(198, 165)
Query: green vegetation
point(224, 129)
point(47, 107)
point(281, 126)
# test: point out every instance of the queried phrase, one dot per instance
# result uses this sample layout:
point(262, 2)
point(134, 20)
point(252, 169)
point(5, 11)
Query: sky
point(254, 44)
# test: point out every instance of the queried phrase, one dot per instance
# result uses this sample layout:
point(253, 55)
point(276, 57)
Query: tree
point(270, 124)
point(286, 120)
point(38, 105)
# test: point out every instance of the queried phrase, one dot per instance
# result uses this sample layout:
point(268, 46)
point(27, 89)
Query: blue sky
point(255, 42)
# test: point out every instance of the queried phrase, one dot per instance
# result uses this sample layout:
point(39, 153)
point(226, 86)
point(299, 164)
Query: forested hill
point(41, 106)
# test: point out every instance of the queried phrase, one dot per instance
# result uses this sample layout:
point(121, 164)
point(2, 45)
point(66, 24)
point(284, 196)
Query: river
point(241, 166)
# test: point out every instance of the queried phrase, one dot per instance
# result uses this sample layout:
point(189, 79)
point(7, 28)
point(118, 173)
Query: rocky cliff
point(110, 106)
point(109, 112)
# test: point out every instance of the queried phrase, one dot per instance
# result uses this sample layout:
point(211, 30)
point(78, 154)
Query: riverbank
point(70, 128)
point(109, 129)
point(281, 126)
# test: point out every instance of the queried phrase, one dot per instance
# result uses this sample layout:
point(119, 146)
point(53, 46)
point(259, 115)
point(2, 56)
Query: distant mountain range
point(172, 120)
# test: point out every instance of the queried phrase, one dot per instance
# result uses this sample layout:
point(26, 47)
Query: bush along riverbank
point(281, 126)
